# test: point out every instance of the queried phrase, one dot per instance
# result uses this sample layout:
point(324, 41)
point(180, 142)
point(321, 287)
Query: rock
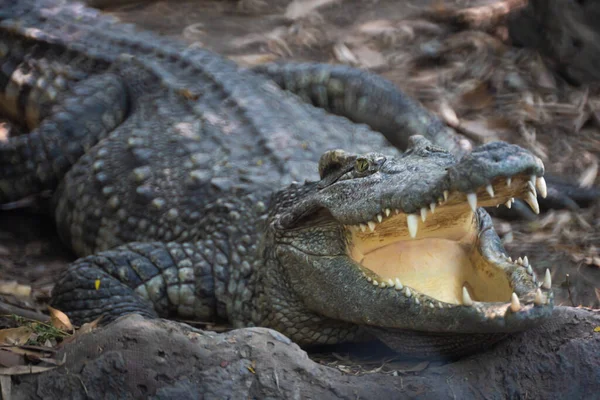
point(135, 357)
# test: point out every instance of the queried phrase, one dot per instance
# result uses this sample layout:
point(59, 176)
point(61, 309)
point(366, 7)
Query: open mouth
point(439, 255)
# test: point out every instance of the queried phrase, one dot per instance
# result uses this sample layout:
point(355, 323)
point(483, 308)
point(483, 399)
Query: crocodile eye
point(362, 164)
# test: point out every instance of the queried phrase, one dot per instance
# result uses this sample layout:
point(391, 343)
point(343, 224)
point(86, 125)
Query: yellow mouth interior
point(439, 262)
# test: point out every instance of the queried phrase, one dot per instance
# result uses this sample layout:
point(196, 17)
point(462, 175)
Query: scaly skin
point(167, 164)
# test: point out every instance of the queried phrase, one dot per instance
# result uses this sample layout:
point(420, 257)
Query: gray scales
point(174, 176)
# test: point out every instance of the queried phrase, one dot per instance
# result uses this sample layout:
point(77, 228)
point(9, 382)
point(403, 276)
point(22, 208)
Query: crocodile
point(175, 177)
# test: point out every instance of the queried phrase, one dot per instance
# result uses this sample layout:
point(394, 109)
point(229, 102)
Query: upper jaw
point(417, 186)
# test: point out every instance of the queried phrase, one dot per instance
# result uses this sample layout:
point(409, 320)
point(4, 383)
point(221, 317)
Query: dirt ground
point(473, 79)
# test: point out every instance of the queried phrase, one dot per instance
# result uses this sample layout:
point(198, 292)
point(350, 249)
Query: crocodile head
point(399, 247)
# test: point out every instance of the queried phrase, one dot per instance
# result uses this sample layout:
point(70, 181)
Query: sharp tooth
point(423, 214)
point(540, 184)
point(466, 298)
point(532, 201)
point(371, 225)
point(490, 190)
point(432, 207)
point(387, 212)
point(379, 217)
point(397, 211)
point(375, 283)
point(431, 305)
point(472, 199)
point(529, 270)
point(547, 280)
point(407, 292)
point(539, 298)
point(515, 304)
point(508, 181)
point(363, 227)
point(398, 284)
point(413, 225)
point(390, 282)
point(382, 285)
point(509, 259)
point(446, 194)
point(369, 279)
point(440, 305)
point(520, 261)
point(525, 261)
point(531, 188)
point(508, 204)
point(417, 302)
point(532, 179)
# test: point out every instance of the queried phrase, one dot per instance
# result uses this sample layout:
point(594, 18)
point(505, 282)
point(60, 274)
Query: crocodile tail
point(366, 98)
point(37, 161)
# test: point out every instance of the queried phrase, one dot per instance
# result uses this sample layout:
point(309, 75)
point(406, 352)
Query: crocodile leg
point(152, 279)
point(366, 98)
point(37, 161)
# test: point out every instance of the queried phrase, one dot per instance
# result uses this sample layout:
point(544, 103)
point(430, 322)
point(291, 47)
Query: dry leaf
point(588, 177)
point(477, 98)
point(32, 369)
point(376, 27)
point(85, 328)
point(9, 359)
point(36, 354)
point(5, 387)
point(448, 114)
point(15, 289)
point(478, 130)
point(60, 320)
point(25, 370)
point(301, 8)
point(4, 132)
point(89, 326)
point(15, 336)
point(344, 55)
point(368, 58)
point(249, 60)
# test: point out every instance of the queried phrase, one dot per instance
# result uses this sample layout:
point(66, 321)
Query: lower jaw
point(434, 345)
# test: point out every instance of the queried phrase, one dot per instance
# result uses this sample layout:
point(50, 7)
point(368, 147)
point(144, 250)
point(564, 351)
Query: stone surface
point(139, 358)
